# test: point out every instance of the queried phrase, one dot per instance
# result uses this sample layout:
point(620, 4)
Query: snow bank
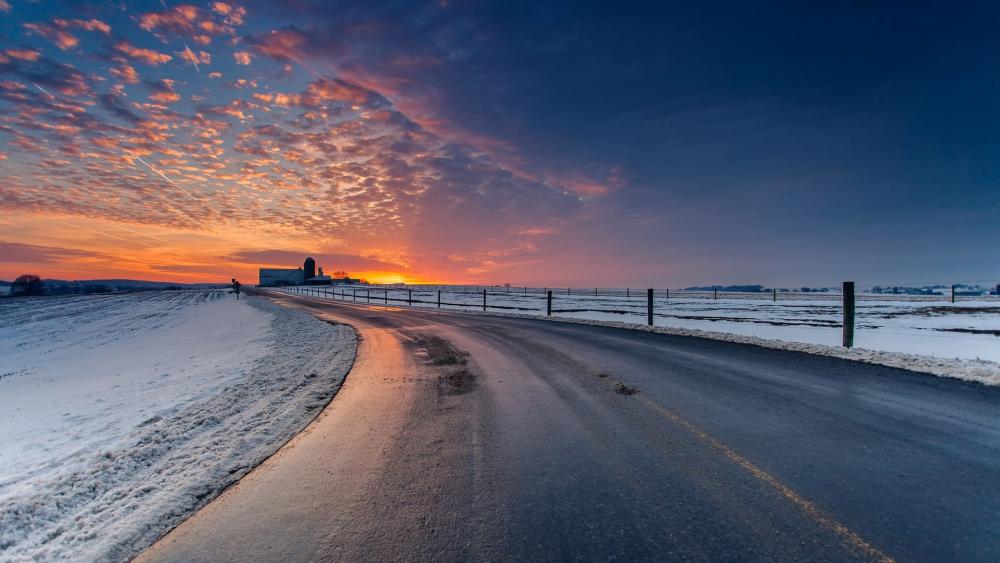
point(888, 331)
point(123, 414)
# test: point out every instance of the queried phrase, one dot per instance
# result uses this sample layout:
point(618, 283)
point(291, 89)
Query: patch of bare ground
point(454, 375)
point(623, 389)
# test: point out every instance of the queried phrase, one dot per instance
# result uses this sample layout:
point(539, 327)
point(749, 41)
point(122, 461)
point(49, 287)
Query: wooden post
point(549, 309)
point(627, 292)
point(409, 297)
point(716, 294)
point(668, 293)
point(848, 315)
point(775, 290)
point(595, 292)
point(354, 294)
point(439, 299)
point(484, 299)
point(368, 294)
point(386, 296)
point(649, 306)
point(953, 292)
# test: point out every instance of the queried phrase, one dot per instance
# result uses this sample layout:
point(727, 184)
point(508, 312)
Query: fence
point(838, 309)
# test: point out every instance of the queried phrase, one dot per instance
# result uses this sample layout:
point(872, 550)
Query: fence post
point(848, 315)
point(548, 311)
point(368, 295)
point(354, 294)
point(953, 292)
point(716, 294)
point(775, 292)
point(484, 299)
point(627, 293)
point(439, 299)
point(386, 296)
point(649, 306)
point(668, 293)
point(595, 292)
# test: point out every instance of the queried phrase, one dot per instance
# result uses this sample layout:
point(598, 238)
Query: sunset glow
point(198, 142)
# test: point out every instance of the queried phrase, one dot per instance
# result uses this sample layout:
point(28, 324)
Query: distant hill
point(62, 287)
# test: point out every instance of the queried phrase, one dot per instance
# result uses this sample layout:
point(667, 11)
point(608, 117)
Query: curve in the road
point(487, 438)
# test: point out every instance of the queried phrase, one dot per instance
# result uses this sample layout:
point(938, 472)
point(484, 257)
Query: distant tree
point(27, 284)
point(340, 275)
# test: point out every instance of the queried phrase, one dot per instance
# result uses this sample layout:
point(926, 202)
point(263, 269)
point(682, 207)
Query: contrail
point(140, 234)
point(102, 233)
point(161, 174)
point(194, 58)
point(46, 92)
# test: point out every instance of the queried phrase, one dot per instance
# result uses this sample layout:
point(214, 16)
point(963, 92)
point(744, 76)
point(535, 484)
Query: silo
point(310, 268)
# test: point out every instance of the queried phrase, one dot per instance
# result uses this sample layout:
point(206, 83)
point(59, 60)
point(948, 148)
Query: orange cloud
point(147, 56)
point(23, 54)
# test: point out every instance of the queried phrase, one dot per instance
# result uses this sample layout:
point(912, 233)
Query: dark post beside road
point(953, 286)
point(775, 291)
point(848, 314)
point(439, 299)
point(368, 294)
point(484, 299)
point(409, 297)
point(387, 297)
point(549, 309)
point(649, 306)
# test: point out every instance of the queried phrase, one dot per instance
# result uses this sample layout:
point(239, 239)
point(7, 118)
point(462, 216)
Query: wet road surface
point(466, 437)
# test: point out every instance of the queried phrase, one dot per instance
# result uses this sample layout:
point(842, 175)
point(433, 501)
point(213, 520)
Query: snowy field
point(966, 330)
point(124, 413)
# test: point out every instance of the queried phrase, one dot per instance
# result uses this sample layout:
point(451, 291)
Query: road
point(467, 437)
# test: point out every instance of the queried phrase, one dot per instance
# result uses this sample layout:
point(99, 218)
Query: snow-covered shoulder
point(123, 414)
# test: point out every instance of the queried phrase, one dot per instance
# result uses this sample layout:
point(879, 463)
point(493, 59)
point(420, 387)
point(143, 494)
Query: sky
point(577, 143)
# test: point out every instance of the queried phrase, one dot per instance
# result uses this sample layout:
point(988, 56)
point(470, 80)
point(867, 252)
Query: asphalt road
point(466, 437)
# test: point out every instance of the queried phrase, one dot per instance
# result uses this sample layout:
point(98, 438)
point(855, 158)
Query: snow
point(123, 414)
point(924, 334)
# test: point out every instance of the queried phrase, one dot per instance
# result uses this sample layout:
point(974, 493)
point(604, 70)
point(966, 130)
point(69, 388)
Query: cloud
point(124, 71)
point(202, 57)
point(147, 56)
point(50, 75)
point(287, 44)
point(329, 261)
point(37, 254)
point(242, 57)
point(163, 91)
point(23, 54)
point(335, 90)
point(191, 21)
point(58, 33)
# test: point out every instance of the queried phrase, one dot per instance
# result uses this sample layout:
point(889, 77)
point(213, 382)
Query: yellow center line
point(852, 539)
